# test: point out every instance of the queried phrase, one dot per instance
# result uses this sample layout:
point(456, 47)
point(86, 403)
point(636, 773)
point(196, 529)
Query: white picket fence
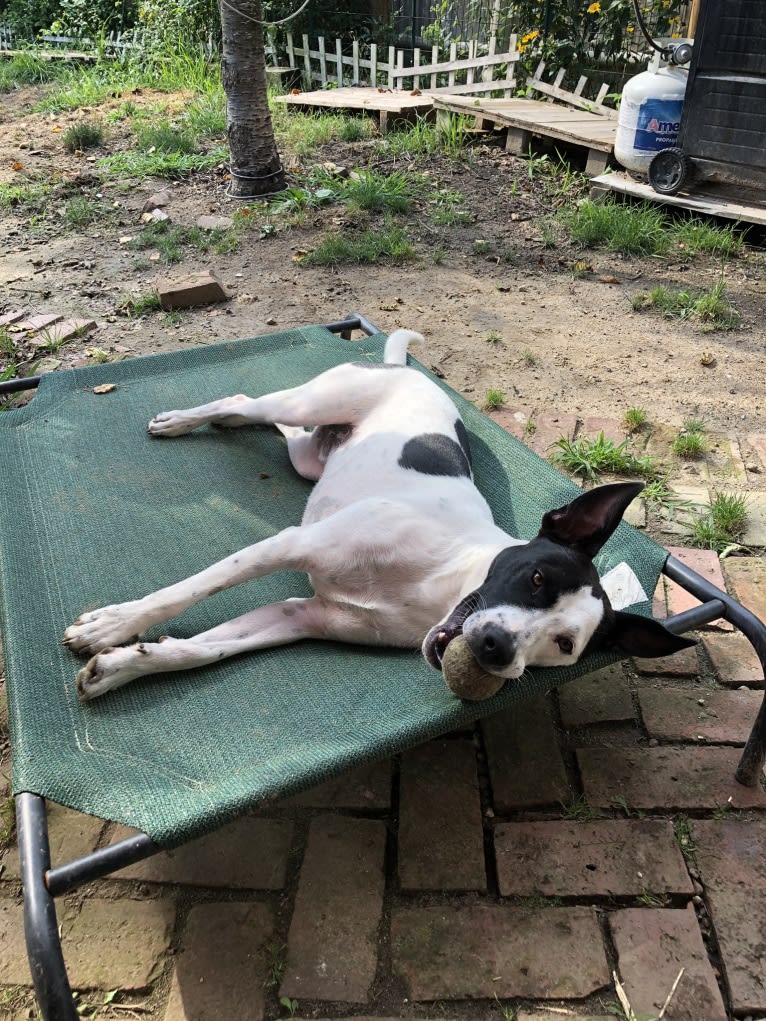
point(477, 74)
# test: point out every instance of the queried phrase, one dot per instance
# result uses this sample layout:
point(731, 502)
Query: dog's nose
point(492, 646)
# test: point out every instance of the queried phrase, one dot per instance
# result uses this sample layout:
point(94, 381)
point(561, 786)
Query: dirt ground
point(568, 337)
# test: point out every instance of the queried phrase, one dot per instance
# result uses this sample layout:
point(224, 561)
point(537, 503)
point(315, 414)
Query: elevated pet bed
point(94, 511)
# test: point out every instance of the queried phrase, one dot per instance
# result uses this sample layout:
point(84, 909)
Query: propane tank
point(650, 114)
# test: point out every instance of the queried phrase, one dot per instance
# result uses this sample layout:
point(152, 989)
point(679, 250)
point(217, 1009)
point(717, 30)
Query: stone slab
point(64, 330)
point(550, 426)
point(515, 421)
point(612, 428)
point(609, 857)
point(250, 853)
point(71, 834)
point(37, 322)
point(441, 838)
point(221, 968)
point(681, 714)
point(652, 947)
point(755, 526)
point(477, 951)
point(675, 778)
point(731, 855)
point(14, 966)
point(8, 318)
point(523, 756)
point(734, 659)
point(112, 944)
point(332, 942)
point(705, 563)
point(683, 663)
point(600, 697)
point(758, 442)
point(214, 222)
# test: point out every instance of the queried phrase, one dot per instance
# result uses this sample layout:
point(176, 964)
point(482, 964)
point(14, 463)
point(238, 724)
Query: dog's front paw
point(100, 629)
point(171, 423)
point(108, 670)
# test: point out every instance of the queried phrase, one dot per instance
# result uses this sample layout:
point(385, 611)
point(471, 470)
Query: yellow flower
point(594, 8)
point(630, 29)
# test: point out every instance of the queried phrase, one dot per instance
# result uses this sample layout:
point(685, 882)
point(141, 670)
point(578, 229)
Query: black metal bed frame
point(42, 883)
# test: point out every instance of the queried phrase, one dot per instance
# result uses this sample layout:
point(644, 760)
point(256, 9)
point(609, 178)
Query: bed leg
point(46, 960)
point(750, 768)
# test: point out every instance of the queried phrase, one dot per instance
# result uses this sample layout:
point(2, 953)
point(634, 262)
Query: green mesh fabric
point(93, 511)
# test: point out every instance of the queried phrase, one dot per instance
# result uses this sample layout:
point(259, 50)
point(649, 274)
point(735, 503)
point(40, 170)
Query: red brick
point(524, 758)
point(683, 663)
point(704, 562)
point(675, 714)
point(601, 697)
point(758, 442)
point(594, 859)
point(514, 421)
point(441, 839)
point(747, 576)
point(652, 948)
point(250, 853)
point(732, 860)
point(550, 426)
point(612, 428)
point(483, 951)
point(332, 943)
point(13, 317)
point(65, 330)
point(734, 659)
point(14, 965)
point(196, 289)
point(72, 835)
point(37, 322)
point(665, 778)
point(366, 787)
point(221, 968)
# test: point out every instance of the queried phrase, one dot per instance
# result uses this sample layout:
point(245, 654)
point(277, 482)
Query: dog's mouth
point(437, 640)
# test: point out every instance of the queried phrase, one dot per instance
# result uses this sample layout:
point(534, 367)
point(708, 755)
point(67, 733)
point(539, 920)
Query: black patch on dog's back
point(435, 454)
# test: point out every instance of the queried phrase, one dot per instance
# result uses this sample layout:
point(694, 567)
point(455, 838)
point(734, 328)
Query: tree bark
point(255, 165)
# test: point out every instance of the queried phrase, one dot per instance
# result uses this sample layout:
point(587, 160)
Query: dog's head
point(542, 603)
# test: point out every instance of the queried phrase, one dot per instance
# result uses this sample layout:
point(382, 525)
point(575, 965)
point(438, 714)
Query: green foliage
point(380, 192)
point(634, 419)
point(711, 309)
point(387, 244)
point(701, 236)
point(25, 69)
point(83, 136)
point(630, 229)
point(494, 399)
point(591, 458)
point(721, 524)
point(30, 197)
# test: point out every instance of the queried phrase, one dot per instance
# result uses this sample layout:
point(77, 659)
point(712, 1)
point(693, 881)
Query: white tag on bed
point(623, 587)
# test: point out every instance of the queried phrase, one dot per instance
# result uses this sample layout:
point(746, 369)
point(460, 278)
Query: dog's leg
point(277, 624)
point(344, 393)
point(94, 630)
point(302, 450)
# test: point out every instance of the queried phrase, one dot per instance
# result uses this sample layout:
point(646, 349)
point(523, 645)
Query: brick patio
point(516, 866)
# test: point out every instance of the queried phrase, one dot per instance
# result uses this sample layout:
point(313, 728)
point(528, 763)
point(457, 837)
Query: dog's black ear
point(643, 636)
point(588, 521)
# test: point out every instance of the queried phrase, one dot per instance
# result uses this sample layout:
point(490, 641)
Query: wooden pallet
point(387, 104)
point(523, 118)
point(725, 200)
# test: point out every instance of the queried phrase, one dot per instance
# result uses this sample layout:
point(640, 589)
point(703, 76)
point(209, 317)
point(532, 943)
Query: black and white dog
point(399, 545)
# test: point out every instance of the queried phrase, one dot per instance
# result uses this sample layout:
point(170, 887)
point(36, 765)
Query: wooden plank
point(351, 98)
point(729, 202)
point(555, 92)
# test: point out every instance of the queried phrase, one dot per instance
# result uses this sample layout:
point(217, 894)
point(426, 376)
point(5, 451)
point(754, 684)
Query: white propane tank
point(650, 114)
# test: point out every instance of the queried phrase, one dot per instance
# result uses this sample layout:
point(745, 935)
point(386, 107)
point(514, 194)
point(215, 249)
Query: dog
point(399, 545)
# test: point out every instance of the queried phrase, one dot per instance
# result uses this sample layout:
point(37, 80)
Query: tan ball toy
point(464, 676)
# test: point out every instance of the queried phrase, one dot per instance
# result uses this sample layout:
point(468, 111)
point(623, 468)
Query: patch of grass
point(29, 197)
point(420, 138)
point(379, 193)
point(710, 308)
point(482, 247)
point(493, 337)
point(528, 358)
point(85, 135)
point(135, 306)
point(579, 810)
point(593, 457)
point(356, 129)
point(81, 210)
point(701, 236)
point(7, 345)
point(25, 69)
point(98, 355)
point(206, 116)
point(660, 495)
point(630, 229)
point(634, 419)
point(494, 399)
point(388, 244)
point(683, 834)
point(647, 899)
point(159, 164)
point(690, 442)
point(304, 133)
point(721, 524)
point(164, 138)
point(170, 240)
point(449, 208)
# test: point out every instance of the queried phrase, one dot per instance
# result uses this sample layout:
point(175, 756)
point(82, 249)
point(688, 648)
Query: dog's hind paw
point(108, 670)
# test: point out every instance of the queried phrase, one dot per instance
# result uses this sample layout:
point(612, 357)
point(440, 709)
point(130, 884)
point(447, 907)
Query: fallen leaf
point(581, 266)
point(295, 92)
point(299, 256)
point(416, 92)
point(608, 279)
point(707, 358)
point(17, 166)
point(57, 127)
point(104, 388)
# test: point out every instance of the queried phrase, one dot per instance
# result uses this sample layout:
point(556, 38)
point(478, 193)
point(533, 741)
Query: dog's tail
point(395, 352)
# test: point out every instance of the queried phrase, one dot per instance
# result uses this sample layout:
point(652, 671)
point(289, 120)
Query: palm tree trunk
point(255, 165)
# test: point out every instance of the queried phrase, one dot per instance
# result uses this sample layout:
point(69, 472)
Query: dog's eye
point(537, 579)
point(565, 644)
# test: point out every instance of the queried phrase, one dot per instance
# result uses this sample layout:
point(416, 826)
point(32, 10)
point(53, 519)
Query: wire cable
point(268, 24)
